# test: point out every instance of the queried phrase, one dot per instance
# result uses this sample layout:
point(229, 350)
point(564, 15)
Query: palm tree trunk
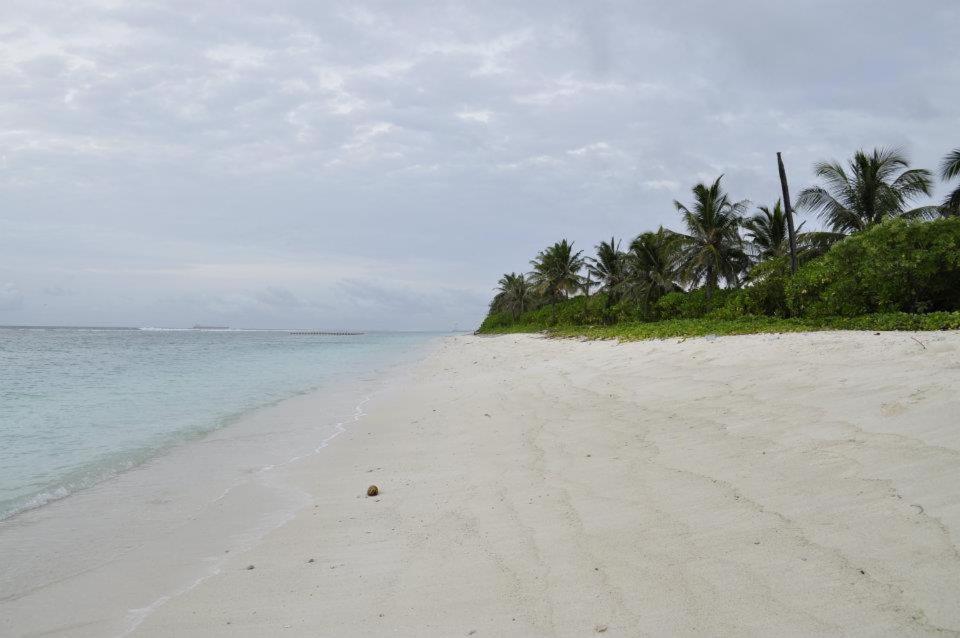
point(788, 209)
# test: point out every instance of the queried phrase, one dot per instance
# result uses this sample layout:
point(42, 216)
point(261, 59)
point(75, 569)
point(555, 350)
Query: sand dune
point(760, 485)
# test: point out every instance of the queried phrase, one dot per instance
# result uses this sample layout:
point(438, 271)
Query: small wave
point(79, 480)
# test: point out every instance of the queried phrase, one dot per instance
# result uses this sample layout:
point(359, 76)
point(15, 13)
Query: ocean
point(81, 405)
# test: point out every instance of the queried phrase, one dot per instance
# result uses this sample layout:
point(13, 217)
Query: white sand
point(764, 485)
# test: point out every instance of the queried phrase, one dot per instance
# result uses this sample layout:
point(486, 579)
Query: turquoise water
point(78, 405)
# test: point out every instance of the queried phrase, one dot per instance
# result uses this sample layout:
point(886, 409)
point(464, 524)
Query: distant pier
point(325, 333)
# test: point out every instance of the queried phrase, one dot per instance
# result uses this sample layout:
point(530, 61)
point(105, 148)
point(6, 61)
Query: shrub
point(899, 265)
point(765, 291)
point(496, 321)
point(691, 305)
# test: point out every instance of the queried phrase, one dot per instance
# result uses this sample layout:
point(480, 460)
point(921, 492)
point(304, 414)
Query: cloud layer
point(378, 165)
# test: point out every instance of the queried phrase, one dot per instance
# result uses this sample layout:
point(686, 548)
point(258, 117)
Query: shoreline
point(55, 452)
point(136, 616)
point(203, 498)
point(131, 460)
point(797, 483)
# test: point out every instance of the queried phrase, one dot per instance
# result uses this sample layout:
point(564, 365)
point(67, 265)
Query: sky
point(379, 165)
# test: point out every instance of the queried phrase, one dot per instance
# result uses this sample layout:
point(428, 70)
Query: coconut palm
point(872, 188)
point(607, 268)
point(950, 168)
point(768, 233)
point(514, 295)
point(712, 248)
point(556, 271)
point(651, 266)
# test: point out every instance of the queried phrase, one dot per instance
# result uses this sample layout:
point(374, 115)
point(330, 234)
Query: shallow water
point(79, 405)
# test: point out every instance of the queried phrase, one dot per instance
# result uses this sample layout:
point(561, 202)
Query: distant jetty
point(200, 327)
point(325, 333)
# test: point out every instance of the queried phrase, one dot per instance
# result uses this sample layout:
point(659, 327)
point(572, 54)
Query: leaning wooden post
point(788, 208)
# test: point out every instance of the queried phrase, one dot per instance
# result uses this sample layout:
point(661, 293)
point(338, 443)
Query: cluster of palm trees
point(721, 244)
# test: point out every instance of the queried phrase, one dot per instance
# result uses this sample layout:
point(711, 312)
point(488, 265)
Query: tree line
point(723, 245)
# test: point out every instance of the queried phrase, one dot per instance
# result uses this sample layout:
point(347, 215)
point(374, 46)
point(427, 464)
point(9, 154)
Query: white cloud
point(481, 116)
point(530, 162)
point(238, 56)
point(662, 184)
point(365, 133)
point(596, 147)
point(567, 88)
point(492, 54)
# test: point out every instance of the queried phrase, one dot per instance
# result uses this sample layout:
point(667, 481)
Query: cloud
point(174, 160)
point(662, 184)
point(595, 148)
point(567, 88)
point(482, 116)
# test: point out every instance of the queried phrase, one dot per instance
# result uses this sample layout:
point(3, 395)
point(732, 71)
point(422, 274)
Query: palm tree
point(870, 189)
point(515, 295)
point(712, 248)
point(608, 268)
point(651, 266)
point(949, 169)
point(768, 234)
point(556, 271)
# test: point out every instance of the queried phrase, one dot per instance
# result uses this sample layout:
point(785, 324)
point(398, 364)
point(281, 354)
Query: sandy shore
point(803, 484)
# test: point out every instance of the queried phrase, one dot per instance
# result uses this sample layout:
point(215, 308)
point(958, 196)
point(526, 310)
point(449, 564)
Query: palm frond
point(873, 187)
point(950, 166)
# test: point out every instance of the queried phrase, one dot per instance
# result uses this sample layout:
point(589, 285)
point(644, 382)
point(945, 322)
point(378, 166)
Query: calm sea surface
point(78, 405)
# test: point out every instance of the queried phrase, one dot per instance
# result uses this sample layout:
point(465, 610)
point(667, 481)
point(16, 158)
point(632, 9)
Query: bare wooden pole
point(788, 208)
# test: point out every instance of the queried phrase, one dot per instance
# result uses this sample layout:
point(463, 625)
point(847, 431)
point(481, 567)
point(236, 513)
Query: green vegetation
point(894, 266)
point(872, 189)
point(753, 325)
point(949, 169)
point(880, 265)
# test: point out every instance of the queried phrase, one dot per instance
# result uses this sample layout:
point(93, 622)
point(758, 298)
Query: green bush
point(496, 321)
point(764, 292)
point(630, 311)
point(758, 324)
point(691, 305)
point(899, 265)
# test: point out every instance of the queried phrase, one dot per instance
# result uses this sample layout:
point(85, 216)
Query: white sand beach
point(798, 484)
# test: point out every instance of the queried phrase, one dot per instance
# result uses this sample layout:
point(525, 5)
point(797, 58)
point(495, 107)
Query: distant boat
point(200, 327)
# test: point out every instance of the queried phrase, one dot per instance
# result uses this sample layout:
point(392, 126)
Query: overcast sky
point(381, 164)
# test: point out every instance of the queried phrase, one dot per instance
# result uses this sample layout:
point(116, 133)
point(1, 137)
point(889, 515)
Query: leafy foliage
point(949, 169)
point(609, 268)
point(767, 232)
point(895, 266)
point(872, 188)
point(765, 291)
point(556, 271)
point(515, 295)
point(753, 324)
point(651, 267)
point(691, 305)
point(712, 249)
